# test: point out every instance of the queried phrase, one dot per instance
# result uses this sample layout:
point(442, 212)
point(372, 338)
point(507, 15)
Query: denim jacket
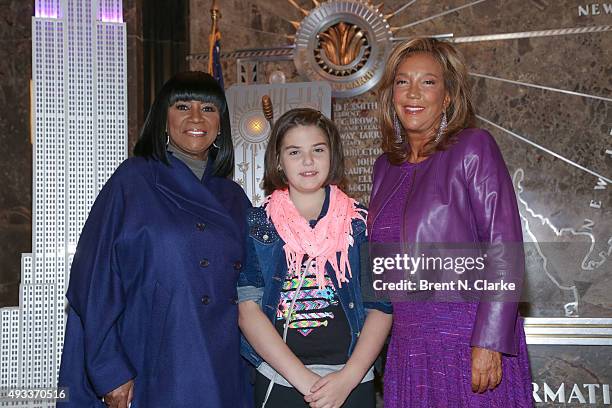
point(265, 270)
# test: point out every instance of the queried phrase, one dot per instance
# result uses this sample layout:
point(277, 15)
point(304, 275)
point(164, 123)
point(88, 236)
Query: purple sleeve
point(498, 226)
point(378, 173)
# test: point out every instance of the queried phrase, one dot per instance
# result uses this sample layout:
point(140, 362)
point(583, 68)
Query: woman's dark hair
point(187, 86)
point(274, 178)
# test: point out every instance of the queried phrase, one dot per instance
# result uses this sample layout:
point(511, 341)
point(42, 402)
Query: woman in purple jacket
point(441, 181)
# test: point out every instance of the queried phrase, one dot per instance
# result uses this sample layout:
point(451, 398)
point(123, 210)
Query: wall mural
point(541, 83)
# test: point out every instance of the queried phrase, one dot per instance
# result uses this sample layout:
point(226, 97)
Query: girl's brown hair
point(273, 177)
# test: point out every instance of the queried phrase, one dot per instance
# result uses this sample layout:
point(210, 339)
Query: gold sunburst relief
point(344, 42)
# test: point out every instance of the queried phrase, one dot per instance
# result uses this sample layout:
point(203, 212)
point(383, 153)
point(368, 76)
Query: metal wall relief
point(343, 42)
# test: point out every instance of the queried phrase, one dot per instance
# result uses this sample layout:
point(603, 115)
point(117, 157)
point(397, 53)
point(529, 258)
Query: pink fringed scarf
point(331, 235)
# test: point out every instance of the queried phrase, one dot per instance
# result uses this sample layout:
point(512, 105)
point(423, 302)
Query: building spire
point(47, 9)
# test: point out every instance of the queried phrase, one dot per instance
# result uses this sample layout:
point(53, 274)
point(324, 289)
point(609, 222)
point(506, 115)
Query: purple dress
point(460, 195)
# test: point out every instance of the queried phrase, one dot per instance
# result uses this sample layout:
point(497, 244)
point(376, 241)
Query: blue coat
point(153, 290)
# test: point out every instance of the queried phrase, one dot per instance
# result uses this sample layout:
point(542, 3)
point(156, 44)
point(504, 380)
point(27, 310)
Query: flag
point(216, 59)
point(214, 46)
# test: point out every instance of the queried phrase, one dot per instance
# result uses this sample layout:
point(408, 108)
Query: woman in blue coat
point(153, 306)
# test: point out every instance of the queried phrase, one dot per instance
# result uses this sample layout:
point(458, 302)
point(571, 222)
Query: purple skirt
point(429, 361)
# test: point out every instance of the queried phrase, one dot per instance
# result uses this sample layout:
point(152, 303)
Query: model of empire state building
point(79, 111)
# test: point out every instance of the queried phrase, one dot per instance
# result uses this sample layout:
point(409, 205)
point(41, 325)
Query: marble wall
point(557, 174)
point(156, 32)
point(571, 376)
point(547, 100)
point(15, 147)
point(558, 184)
point(244, 24)
point(132, 15)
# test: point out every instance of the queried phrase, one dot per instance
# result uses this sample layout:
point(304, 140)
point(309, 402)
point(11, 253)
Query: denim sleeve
point(361, 241)
point(385, 307)
point(250, 280)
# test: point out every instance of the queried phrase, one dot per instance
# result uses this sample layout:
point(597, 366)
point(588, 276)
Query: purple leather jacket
point(462, 195)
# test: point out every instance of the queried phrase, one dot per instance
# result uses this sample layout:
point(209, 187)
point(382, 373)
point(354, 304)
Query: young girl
point(301, 311)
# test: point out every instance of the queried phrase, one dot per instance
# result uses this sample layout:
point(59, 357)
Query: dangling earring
point(215, 142)
point(397, 127)
point(167, 138)
point(442, 128)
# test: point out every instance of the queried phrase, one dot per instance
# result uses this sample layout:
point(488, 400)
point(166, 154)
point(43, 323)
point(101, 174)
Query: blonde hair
point(460, 112)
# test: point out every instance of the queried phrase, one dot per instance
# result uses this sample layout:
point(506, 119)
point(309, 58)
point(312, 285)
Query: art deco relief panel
point(251, 128)
point(541, 79)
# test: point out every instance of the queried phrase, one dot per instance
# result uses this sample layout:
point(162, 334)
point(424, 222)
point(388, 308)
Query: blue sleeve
point(250, 280)
point(383, 306)
point(96, 293)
